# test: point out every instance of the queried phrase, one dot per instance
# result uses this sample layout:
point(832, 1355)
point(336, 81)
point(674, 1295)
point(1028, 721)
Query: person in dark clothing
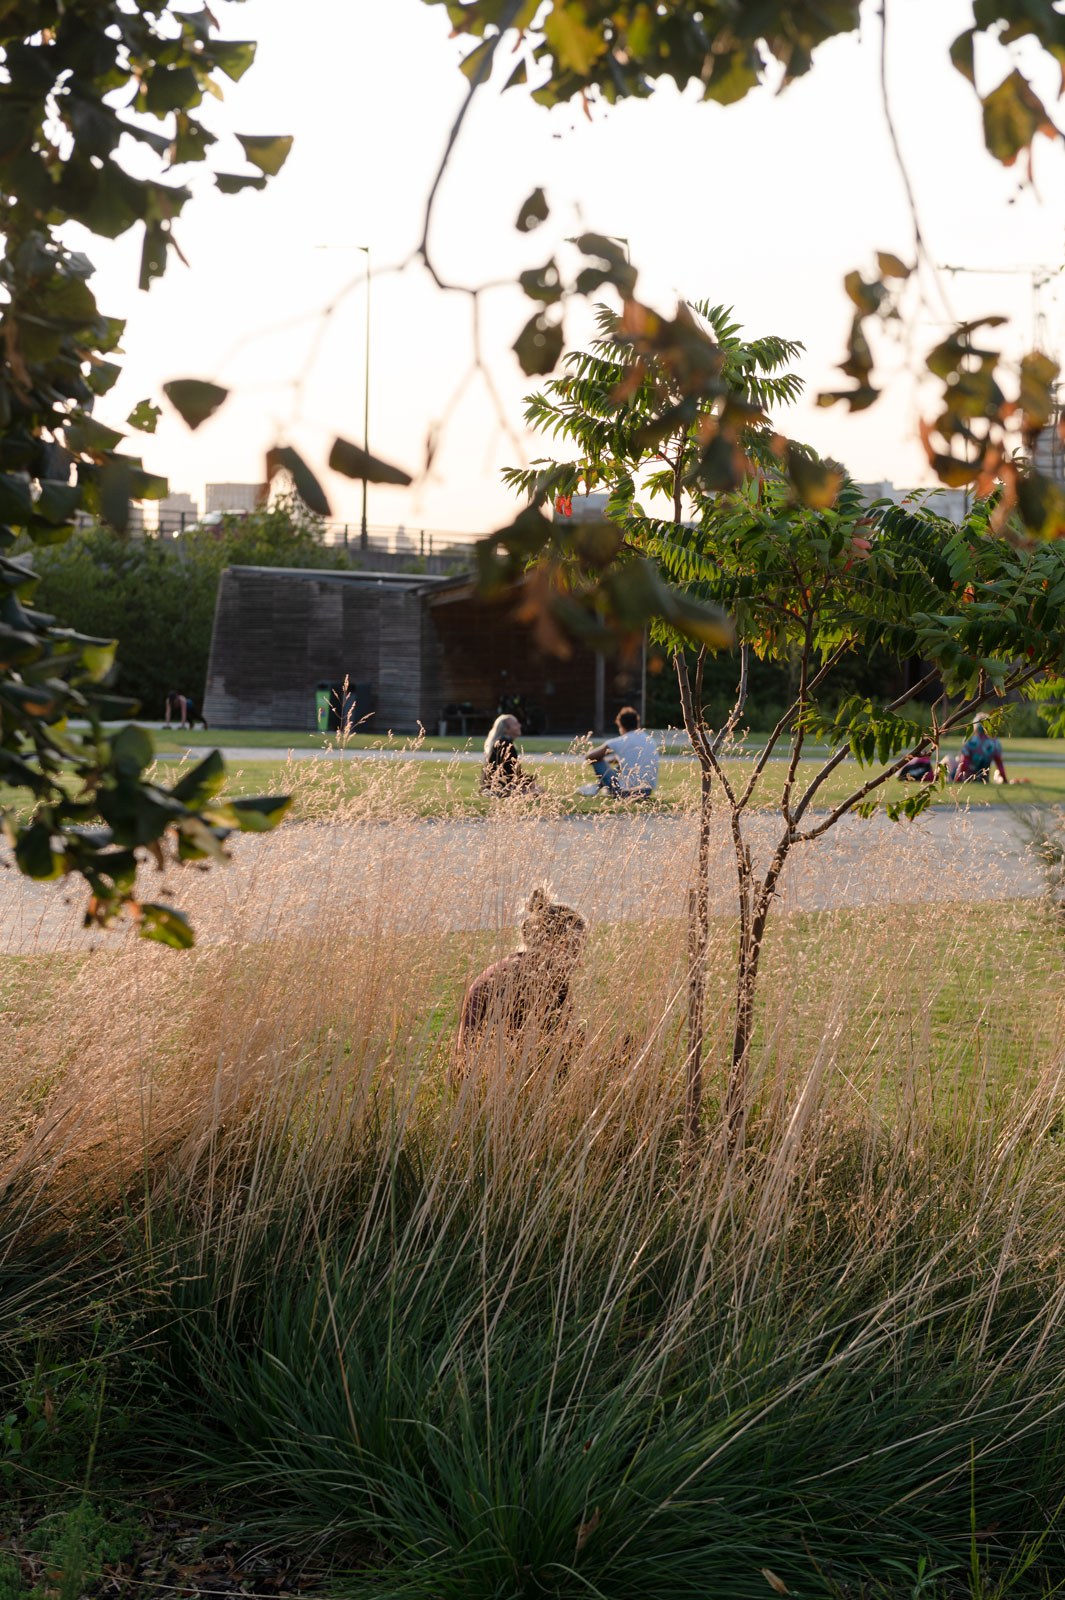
point(182, 710)
point(526, 993)
point(501, 773)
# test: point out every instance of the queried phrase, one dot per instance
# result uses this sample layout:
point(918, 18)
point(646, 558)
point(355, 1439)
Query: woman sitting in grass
point(526, 995)
point(501, 773)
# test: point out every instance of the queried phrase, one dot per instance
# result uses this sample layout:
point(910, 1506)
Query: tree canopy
point(98, 120)
point(982, 428)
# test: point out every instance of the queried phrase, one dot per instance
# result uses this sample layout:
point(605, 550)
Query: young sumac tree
point(813, 584)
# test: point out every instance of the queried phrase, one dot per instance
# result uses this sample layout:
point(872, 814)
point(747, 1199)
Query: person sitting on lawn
point(526, 993)
point(628, 765)
point(979, 751)
point(501, 773)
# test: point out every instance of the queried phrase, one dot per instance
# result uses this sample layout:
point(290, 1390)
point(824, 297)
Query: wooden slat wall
point(277, 635)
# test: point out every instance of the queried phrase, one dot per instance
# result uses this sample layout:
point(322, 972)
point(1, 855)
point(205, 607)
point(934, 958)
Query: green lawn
point(174, 740)
point(430, 788)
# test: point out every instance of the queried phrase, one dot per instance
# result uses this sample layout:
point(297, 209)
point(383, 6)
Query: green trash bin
point(321, 707)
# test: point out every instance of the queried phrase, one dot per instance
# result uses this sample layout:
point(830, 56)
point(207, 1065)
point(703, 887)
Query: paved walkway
point(322, 880)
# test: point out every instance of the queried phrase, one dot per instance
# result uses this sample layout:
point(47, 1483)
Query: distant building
point(581, 508)
point(950, 503)
point(416, 650)
point(175, 512)
point(234, 497)
point(1049, 453)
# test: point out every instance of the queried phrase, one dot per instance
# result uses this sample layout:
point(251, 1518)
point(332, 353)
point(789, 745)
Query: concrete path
point(322, 880)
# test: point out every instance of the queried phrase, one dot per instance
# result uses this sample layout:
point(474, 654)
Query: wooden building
point(416, 651)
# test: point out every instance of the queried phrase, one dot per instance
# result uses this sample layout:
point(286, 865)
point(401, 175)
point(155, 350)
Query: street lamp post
point(364, 532)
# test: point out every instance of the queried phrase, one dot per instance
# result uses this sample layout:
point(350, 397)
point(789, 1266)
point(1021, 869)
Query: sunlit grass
point(503, 1333)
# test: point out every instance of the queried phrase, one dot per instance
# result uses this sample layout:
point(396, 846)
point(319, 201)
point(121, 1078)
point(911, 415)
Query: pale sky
point(763, 206)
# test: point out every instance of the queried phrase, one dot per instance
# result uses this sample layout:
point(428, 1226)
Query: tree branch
point(842, 753)
point(484, 68)
point(725, 733)
point(963, 714)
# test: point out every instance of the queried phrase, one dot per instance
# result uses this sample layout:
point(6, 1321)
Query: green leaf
point(114, 491)
point(16, 502)
point(268, 152)
point(576, 45)
point(86, 436)
point(1013, 115)
point(202, 782)
point(103, 376)
point(961, 54)
point(353, 462)
point(542, 283)
point(164, 924)
point(132, 750)
point(282, 458)
point(1039, 376)
point(475, 65)
point(539, 345)
point(817, 483)
point(867, 296)
point(234, 182)
point(533, 211)
point(257, 815)
point(194, 399)
point(34, 855)
point(233, 56)
point(144, 416)
point(17, 646)
point(58, 501)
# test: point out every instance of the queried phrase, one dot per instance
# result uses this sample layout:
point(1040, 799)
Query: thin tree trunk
point(698, 943)
point(752, 938)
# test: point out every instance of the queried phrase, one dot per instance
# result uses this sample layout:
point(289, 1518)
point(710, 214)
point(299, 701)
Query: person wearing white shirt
point(627, 765)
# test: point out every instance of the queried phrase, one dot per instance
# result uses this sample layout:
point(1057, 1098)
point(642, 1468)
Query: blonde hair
point(495, 732)
point(545, 920)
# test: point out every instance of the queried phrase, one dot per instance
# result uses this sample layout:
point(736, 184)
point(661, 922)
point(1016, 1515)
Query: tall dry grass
point(505, 1335)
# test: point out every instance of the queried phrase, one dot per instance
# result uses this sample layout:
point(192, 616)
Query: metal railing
point(415, 543)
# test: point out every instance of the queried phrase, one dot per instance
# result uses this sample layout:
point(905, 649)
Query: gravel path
point(318, 879)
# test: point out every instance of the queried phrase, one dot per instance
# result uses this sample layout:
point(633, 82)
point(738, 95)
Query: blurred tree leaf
point(1013, 115)
point(354, 462)
point(194, 399)
point(268, 153)
point(97, 104)
point(144, 416)
point(533, 212)
point(539, 345)
point(282, 458)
